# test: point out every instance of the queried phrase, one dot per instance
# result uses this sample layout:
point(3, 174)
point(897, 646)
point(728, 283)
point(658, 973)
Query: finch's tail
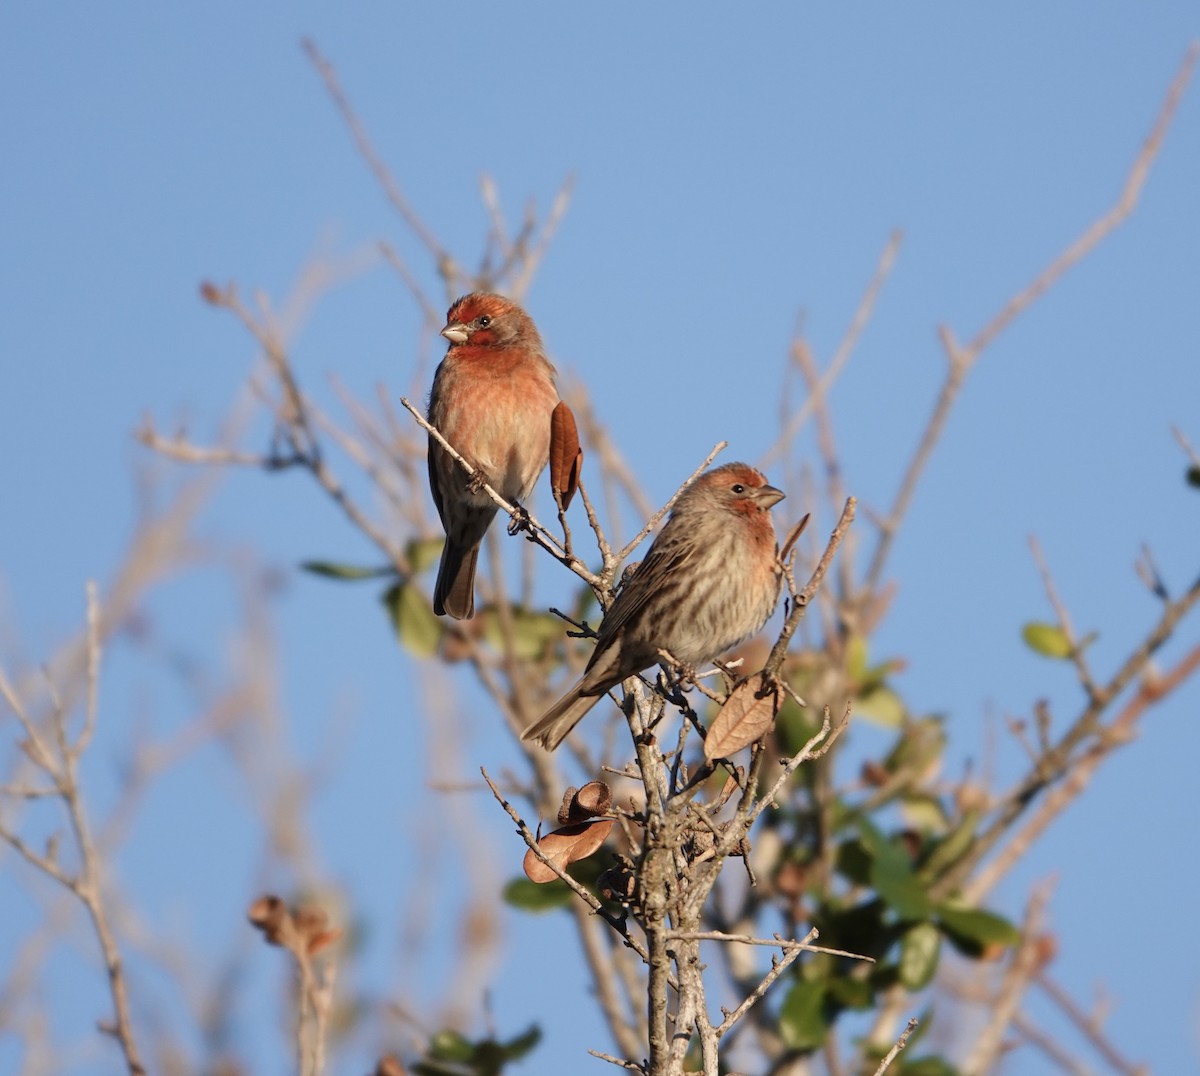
point(454, 591)
point(562, 717)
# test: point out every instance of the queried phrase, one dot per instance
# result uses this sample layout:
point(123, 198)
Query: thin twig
point(1121, 730)
point(61, 764)
point(800, 601)
point(579, 890)
point(778, 967)
point(1022, 966)
point(380, 170)
point(818, 391)
point(899, 1045)
point(620, 1062)
point(1089, 1026)
point(962, 358)
point(657, 518)
point(532, 256)
point(1086, 680)
point(1056, 762)
point(777, 942)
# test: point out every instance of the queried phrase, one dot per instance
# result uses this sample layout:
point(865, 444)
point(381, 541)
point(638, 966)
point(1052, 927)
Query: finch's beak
point(768, 496)
point(455, 332)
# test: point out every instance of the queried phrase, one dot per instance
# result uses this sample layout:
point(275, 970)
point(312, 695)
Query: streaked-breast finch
point(710, 580)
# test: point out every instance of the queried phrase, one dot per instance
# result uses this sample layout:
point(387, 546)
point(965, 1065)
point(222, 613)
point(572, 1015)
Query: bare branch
point(962, 359)
point(380, 170)
point(658, 516)
point(894, 1052)
point(819, 391)
point(800, 601)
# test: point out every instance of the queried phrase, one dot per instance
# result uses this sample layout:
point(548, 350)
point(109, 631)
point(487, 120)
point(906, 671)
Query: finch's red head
point(484, 319)
point(737, 487)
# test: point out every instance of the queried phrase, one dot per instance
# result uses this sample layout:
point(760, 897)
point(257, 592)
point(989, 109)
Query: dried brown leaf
point(390, 1065)
point(566, 846)
point(210, 293)
point(323, 940)
point(566, 457)
point(580, 804)
point(594, 798)
point(564, 811)
point(270, 915)
point(746, 716)
point(305, 930)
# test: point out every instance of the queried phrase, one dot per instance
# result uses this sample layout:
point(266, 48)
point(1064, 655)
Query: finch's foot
point(677, 678)
point(519, 520)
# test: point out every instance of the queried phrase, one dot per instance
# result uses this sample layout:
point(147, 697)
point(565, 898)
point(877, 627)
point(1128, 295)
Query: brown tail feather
point(561, 718)
point(454, 591)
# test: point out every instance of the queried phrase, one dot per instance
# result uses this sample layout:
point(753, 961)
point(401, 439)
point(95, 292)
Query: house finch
point(491, 399)
point(710, 580)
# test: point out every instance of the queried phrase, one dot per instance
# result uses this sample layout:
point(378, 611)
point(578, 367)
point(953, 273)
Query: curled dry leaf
point(594, 798)
point(304, 931)
point(270, 915)
point(390, 1065)
point(568, 801)
point(210, 293)
point(580, 804)
point(566, 846)
point(566, 457)
point(746, 716)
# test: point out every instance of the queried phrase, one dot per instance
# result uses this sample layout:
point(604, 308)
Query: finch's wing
point(669, 555)
point(434, 487)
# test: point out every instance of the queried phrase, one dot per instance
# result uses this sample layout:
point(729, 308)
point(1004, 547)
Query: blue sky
point(735, 171)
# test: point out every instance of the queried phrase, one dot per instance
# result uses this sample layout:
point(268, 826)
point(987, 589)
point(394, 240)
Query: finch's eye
point(484, 321)
point(737, 487)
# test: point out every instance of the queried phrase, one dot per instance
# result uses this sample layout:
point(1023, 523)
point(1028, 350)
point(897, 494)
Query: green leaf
point(900, 888)
point(851, 993)
point(448, 1045)
point(973, 929)
point(882, 707)
point(928, 1066)
point(531, 632)
point(438, 1068)
point(515, 1049)
point(1193, 476)
point(919, 949)
point(923, 812)
point(892, 875)
point(423, 553)
point(854, 862)
point(1049, 640)
point(919, 748)
point(533, 897)
point(856, 657)
point(331, 570)
point(857, 929)
point(802, 1019)
point(418, 630)
point(951, 848)
point(794, 727)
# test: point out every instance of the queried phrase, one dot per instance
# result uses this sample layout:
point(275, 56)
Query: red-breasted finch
point(491, 399)
point(710, 580)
